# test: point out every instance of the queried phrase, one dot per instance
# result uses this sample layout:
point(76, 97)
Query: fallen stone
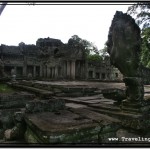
point(17, 132)
point(39, 92)
point(18, 116)
point(7, 134)
point(15, 100)
point(115, 94)
point(45, 105)
point(97, 117)
point(65, 127)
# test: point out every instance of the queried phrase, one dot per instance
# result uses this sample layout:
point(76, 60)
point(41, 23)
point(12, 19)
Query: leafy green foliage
point(95, 57)
point(141, 13)
point(21, 44)
point(86, 46)
point(104, 52)
point(145, 55)
point(4, 88)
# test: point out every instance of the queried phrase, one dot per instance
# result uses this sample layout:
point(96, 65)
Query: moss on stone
point(30, 137)
point(4, 88)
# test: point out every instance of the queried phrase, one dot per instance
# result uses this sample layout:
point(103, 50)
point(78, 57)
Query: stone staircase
point(103, 107)
point(47, 91)
point(39, 92)
point(86, 114)
point(87, 96)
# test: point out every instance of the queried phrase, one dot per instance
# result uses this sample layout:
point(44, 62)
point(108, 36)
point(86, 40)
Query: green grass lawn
point(4, 88)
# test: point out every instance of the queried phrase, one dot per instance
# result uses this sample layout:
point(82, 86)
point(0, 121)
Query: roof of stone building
point(71, 52)
point(17, 50)
point(49, 42)
point(30, 50)
point(11, 50)
point(56, 49)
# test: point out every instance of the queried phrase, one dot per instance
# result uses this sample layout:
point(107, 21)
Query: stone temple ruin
point(60, 112)
point(51, 59)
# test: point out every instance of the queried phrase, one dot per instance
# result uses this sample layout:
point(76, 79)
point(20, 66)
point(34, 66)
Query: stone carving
point(134, 89)
point(13, 75)
point(123, 44)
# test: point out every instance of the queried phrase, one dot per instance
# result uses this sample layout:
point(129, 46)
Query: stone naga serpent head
point(124, 44)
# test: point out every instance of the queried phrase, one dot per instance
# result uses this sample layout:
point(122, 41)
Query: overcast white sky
point(24, 23)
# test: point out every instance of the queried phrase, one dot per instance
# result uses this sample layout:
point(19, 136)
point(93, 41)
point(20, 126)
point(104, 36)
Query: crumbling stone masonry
point(52, 59)
point(103, 71)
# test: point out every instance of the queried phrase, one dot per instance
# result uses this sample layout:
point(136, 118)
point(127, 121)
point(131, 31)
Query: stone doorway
point(30, 70)
point(7, 70)
point(19, 71)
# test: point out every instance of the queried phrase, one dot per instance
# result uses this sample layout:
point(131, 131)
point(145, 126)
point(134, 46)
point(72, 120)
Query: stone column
point(53, 72)
point(68, 69)
point(82, 70)
point(45, 71)
point(64, 69)
point(34, 71)
point(13, 74)
point(56, 72)
point(25, 70)
point(73, 70)
point(79, 70)
point(48, 72)
point(41, 70)
point(86, 69)
point(25, 66)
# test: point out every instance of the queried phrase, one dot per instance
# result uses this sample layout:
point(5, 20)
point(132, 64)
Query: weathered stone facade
point(20, 60)
point(52, 59)
point(103, 71)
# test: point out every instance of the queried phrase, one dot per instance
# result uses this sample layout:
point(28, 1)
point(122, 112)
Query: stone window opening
point(97, 75)
point(7, 70)
point(56, 51)
point(19, 71)
point(90, 74)
point(103, 76)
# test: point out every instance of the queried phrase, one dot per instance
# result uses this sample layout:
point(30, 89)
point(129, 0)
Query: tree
point(95, 57)
point(21, 44)
point(86, 46)
point(141, 12)
point(103, 52)
point(145, 54)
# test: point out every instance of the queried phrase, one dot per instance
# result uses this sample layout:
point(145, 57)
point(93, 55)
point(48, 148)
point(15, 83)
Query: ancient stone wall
point(51, 59)
point(103, 71)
